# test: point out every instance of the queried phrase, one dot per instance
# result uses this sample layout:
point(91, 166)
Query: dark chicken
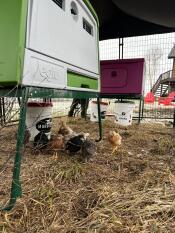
point(75, 143)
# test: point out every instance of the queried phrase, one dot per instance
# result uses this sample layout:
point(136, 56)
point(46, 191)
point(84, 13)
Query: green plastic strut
point(16, 190)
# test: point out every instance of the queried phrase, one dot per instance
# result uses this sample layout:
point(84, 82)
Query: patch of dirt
point(131, 191)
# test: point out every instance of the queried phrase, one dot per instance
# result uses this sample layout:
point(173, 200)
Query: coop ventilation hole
point(59, 3)
point(87, 27)
point(74, 11)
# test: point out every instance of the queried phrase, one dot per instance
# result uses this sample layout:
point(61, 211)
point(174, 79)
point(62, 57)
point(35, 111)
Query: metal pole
point(174, 119)
point(99, 120)
point(16, 190)
point(143, 103)
point(119, 49)
point(140, 109)
point(121, 44)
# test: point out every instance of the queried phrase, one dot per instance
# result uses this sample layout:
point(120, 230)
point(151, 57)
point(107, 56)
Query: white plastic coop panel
point(67, 32)
point(43, 71)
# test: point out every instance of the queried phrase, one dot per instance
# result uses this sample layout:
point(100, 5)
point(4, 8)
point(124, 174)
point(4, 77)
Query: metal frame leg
point(143, 103)
point(16, 190)
point(174, 119)
point(140, 110)
point(99, 120)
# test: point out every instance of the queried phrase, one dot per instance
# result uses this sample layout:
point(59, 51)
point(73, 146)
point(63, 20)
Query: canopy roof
point(125, 18)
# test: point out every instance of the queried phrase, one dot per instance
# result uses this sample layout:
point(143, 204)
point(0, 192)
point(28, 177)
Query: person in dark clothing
point(84, 106)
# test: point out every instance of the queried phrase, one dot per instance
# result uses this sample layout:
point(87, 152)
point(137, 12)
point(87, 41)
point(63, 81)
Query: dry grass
point(131, 191)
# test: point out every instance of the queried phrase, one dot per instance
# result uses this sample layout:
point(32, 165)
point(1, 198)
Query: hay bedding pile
point(131, 191)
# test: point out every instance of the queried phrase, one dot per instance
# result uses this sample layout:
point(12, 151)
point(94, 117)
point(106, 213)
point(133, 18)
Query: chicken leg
point(114, 149)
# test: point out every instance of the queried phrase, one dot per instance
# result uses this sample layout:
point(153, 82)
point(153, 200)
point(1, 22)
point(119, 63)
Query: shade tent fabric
point(155, 11)
point(126, 18)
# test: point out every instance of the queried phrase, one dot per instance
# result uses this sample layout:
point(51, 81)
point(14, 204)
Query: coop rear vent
point(87, 27)
point(59, 3)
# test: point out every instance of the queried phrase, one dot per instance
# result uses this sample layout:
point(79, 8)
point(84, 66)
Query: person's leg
point(74, 104)
point(84, 107)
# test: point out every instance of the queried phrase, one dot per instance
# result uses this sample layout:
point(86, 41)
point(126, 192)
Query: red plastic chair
point(167, 100)
point(149, 98)
point(161, 100)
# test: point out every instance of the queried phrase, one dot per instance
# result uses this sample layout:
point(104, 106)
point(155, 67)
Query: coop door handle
point(114, 74)
point(85, 86)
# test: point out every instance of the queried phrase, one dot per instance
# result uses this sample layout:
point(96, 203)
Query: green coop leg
point(16, 190)
point(99, 120)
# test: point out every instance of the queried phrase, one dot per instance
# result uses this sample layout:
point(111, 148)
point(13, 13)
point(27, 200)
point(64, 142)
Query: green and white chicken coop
point(48, 49)
point(49, 43)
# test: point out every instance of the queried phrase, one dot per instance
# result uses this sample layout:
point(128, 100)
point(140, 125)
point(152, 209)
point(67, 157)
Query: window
point(60, 3)
point(87, 27)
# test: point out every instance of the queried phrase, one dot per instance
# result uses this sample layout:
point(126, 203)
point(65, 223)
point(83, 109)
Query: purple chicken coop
point(122, 77)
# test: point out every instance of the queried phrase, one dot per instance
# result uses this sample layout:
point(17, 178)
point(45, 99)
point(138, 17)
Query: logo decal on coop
point(49, 72)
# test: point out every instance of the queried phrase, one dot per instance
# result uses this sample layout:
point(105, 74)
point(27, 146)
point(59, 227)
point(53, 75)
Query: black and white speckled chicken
point(88, 150)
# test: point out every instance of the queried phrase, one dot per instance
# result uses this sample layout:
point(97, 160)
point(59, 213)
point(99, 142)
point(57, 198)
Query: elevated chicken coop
point(154, 49)
point(42, 57)
point(124, 77)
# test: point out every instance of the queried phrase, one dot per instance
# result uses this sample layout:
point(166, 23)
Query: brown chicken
point(64, 129)
point(115, 139)
point(56, 144)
